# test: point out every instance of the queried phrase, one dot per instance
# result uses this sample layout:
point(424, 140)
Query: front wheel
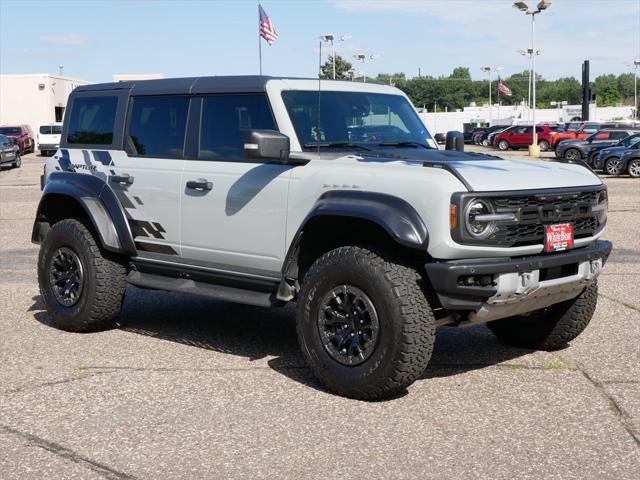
point(17, 162)
point(613, 166)
point(82, 286)
point(485, 143)
point(572, 154)
point(364, 324)
point(550, 328)
point(544, 145)
point(634, 168)
point(503, 145)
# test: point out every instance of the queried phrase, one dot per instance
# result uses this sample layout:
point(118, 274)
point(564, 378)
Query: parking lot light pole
point(488, 69)
point(636, 64)
point(534, 150)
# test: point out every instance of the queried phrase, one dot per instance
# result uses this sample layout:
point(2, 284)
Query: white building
point(34, 99)
point(442, 122)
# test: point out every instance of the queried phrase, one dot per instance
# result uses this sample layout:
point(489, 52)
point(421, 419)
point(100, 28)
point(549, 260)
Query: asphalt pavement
point(188, 387)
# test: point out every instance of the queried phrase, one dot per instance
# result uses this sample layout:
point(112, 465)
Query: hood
point(488, 173)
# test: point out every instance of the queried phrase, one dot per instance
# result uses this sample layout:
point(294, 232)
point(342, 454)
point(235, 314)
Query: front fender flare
point(396, 216)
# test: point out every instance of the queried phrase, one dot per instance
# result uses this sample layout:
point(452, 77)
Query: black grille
point(533, 212)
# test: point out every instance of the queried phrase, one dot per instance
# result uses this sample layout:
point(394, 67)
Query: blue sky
point(94, 39)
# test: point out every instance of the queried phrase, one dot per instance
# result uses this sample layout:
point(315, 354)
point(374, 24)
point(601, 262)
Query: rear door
point(147, 176)
point(233, 211)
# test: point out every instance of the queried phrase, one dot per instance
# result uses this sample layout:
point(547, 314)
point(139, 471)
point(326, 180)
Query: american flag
point(266, 28)
point(502, 88)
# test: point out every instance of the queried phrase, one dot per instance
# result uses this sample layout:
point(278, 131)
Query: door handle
point(201, 184)
point(124, 179)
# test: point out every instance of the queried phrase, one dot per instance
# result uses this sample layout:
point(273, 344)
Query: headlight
point(601, 208)
point(477, 218)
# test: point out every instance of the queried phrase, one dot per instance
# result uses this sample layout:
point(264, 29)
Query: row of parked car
point(612, 147)
point(47, 138)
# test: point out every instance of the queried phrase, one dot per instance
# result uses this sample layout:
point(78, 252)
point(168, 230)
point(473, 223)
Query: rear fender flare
point(99, 203)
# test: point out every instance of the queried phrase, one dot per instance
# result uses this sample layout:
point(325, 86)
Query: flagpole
point(259, 41)
point(499, 81)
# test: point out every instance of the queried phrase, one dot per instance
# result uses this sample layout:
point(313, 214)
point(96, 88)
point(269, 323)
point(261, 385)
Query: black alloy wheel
point(348, 325)
point(66, 276)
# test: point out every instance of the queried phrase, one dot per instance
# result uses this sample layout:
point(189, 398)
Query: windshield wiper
point(404, 144)
point(336, 145)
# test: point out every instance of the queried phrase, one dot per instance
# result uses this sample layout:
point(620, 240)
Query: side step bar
point(219, 292)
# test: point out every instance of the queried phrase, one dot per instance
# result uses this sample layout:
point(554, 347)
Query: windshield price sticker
point(558, 237)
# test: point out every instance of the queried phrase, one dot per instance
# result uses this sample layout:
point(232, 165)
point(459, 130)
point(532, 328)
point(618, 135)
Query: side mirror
point(454, 141)
point(266, 145)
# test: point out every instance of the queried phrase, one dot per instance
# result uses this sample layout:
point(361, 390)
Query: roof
point(194, 85)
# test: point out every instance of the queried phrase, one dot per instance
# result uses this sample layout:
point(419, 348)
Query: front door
point(233, 212)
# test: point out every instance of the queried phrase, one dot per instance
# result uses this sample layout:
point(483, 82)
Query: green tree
point(342, 68)
point(625, 87)
point(606, 90)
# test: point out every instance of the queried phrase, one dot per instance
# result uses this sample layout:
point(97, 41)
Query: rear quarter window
point(92, 121)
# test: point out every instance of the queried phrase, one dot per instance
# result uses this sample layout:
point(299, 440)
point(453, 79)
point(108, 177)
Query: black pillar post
point(586, 90)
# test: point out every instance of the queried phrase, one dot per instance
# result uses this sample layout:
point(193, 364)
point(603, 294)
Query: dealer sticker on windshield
point(558, 237)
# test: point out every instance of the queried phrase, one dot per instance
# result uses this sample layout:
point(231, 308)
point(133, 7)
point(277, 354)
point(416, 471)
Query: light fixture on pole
point(363, 57)
point(534, 150)
point(330, 37)
point(487, 69)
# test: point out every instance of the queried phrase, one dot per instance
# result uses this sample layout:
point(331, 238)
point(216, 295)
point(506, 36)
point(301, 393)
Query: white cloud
point(65, 39)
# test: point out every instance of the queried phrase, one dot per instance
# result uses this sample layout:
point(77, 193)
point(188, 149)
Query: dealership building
point(34, 99)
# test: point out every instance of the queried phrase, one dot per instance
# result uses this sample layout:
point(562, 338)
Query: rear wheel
point(364, 324)
point(82, 286)
point(544, 145)
point(572, 154)
point(634, 168)
point(612, 166)
point(552, 327)
point(503, 145)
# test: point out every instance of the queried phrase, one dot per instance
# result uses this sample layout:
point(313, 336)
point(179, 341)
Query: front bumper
point(489, 289)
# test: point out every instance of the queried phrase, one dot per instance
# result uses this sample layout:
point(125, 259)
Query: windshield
point(630, 140)
point(50, 129)
point(9, 130)
point(355, 118)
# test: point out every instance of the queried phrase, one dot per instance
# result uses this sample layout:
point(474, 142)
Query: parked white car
point(49, 138)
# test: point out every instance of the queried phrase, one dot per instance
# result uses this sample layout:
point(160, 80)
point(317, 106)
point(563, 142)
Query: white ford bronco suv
point(332, 194)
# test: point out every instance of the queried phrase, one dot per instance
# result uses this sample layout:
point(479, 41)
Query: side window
point(92, 120)
point(620, 135)
point(540, 129)
point(224, 120)
point(156, 126)
point(602, 136)
point(591, 128)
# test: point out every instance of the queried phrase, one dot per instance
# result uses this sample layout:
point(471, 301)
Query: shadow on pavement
point(257, 333)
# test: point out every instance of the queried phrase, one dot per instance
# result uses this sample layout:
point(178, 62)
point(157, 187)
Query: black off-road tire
point(407, 325)
point(551, 328)
point(104, 283)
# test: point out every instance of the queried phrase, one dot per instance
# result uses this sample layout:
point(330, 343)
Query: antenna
point(319, 87)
